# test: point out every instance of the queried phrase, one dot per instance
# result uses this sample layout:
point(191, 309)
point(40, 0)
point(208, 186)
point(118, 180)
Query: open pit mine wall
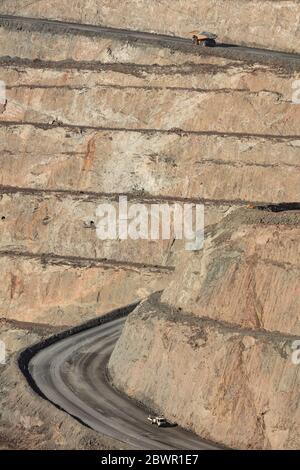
point(77, 131)
point(272, 24)
point(214, 354)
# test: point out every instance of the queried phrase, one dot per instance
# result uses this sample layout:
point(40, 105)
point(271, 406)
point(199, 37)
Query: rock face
point(77, 131)
point(242, 22)
point(216, 355)
point(227, 384)
point(247, 275)
point(151, 163)
point(65, 291)
point(40, 222)
point(45, 97)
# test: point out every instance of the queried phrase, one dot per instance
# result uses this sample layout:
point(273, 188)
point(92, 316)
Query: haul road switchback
point(71, 373)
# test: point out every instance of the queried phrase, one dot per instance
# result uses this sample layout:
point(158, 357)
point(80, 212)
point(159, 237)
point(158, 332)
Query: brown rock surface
point(45, 96)
point(247, 274)
point(64, 291)
point(216, 354)
point(88, 128)
point(151, 163)
point(228, 384)
point(66, 224)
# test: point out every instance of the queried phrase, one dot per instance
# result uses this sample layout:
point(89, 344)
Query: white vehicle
point(158, 420)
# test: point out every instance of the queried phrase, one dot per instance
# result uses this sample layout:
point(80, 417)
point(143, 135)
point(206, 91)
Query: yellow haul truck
point(204, 38)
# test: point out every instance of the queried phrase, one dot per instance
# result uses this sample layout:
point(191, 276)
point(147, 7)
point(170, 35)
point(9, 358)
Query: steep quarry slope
point(252, 261)
point(77, 131)
point(214, 354)
point(272, 23)
point(89, 117)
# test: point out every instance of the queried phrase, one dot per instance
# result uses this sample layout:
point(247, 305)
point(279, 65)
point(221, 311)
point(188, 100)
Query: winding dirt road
point(71, 373)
